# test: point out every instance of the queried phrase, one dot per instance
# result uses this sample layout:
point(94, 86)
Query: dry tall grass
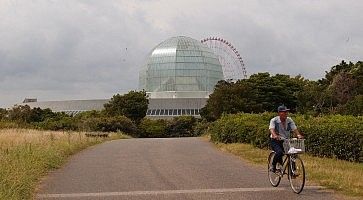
point(26, 155)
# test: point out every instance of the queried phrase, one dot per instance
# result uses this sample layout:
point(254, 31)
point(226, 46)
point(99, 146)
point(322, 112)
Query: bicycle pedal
point(294, 176)
point(279, 173)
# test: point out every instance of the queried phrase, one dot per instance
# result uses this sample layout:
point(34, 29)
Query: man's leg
point(276, 146)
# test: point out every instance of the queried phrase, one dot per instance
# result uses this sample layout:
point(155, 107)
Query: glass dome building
point(178, 77)
point(180, 64)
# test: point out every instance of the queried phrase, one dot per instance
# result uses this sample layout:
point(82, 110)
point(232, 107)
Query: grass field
point(26, 155)
point(342, 176)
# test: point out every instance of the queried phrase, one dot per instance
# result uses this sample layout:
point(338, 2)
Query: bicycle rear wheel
point(296, 174)
point(272, 176)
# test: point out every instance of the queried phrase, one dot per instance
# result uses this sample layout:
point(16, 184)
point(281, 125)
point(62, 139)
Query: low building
point(71, 107)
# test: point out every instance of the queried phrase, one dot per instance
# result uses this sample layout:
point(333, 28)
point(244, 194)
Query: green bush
point(182, 126)
point(201, 128)
point(64, 123)
point(335, 136)
point(3, 113)
point(243, 128)
point(353, 107)
point(149, 128)
point(108, 124)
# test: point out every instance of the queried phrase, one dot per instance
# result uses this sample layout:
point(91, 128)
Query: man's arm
point(294, 129)
point(298, 134)
point(274, 134)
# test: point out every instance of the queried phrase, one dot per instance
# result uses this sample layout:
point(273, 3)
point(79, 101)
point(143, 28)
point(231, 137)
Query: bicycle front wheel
point(296, 174)
point(272, 176)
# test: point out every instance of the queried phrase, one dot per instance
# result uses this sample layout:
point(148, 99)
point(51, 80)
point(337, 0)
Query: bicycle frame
point(287, 164)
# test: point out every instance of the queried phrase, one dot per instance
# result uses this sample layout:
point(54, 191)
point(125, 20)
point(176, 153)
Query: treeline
point(124, 113)
point(340, 92)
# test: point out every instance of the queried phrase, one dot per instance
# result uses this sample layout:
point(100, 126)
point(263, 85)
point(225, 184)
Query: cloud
point(93, 49)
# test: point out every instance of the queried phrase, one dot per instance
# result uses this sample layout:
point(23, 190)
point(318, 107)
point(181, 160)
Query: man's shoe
point(294, 174)
point(272, 169)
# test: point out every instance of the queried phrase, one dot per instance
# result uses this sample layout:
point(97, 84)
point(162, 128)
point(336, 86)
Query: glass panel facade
point(172, 112)
point(180, 64)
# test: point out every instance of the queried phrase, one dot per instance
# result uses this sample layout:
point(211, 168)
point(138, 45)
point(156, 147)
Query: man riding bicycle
point(280, 128)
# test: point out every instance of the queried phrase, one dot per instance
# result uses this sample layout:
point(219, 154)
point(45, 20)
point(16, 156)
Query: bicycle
point(292, 165)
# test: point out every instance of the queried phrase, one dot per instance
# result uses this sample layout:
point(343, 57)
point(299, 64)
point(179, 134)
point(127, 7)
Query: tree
point(272, 91)
point(313, 97)
point(133, 105)
point(29, 115)
point(3, 113)
point(354, 107)
point(342, 67)
point(39, 115)
point(357, 73)
point(343, 87)
point(229, 97)
point(20, 113)
point(260, 93)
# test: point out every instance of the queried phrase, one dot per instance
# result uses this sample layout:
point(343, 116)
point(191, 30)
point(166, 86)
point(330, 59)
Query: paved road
point(180, 168)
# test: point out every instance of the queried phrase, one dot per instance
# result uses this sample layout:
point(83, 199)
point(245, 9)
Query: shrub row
point(182, 126)
point(336, 136)
point(241, 128)
point(96, 123)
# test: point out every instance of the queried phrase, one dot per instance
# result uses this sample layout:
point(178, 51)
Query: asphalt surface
point(179, 168)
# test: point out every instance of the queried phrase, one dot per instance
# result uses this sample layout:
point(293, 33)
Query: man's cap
point(282, 108)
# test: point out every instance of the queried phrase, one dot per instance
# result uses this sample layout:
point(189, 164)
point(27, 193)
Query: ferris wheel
point(230, 59)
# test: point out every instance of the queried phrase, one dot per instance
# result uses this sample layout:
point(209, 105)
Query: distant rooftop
point(69, 105)
point(28, 100)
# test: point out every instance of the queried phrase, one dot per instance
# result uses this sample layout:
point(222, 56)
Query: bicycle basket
point(293, 146)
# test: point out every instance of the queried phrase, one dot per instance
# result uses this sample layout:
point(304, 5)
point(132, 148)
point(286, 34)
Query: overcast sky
point(93, 49)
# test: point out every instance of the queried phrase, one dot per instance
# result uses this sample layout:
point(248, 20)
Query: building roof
point(69, 105)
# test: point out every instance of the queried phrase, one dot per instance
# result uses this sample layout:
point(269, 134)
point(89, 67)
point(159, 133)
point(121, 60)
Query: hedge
point(182, 126)
point(149, 128)
point(96, 123)
point(335, 136)
point(109, 124)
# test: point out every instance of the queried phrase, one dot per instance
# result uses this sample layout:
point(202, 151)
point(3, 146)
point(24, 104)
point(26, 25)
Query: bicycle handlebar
point(283, 138)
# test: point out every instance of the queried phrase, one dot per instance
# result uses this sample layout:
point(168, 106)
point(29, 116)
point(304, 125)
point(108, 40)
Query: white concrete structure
point(71, 107)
